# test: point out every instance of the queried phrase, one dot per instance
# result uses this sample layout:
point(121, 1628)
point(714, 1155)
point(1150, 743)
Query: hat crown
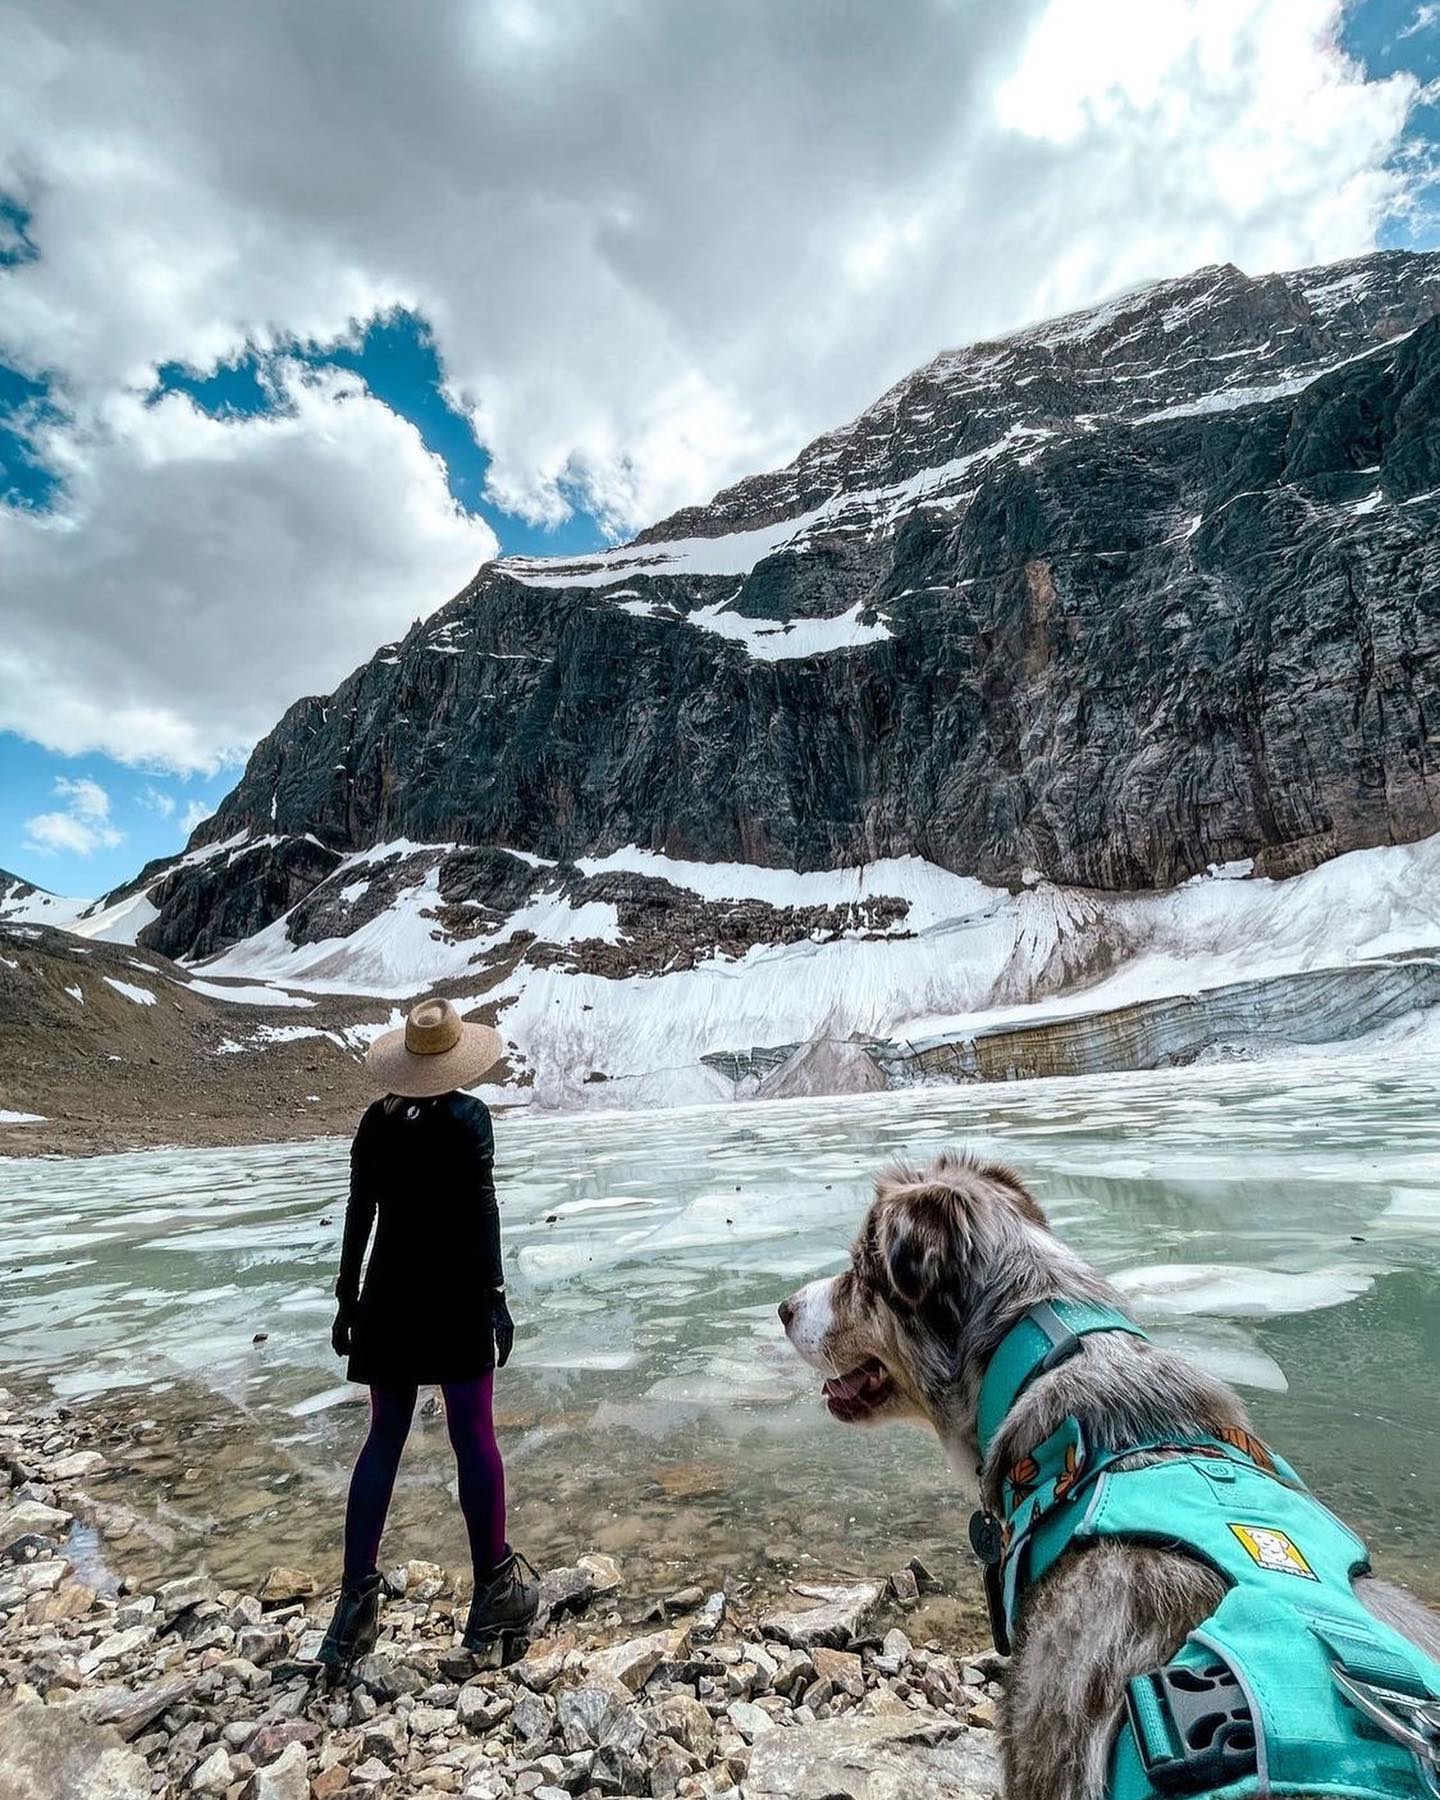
point(432, 1028)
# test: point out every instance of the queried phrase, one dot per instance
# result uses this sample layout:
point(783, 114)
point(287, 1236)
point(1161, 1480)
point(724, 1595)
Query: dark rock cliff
point(1130, 593)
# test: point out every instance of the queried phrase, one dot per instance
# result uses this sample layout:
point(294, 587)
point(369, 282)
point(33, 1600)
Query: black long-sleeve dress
point(425, 1169)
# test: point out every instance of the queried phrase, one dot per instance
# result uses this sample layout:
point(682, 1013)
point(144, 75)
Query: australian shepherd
point(948, 1258)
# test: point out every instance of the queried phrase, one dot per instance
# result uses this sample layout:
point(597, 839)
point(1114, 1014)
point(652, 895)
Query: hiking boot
point(354, 1627)
point(502, 1612)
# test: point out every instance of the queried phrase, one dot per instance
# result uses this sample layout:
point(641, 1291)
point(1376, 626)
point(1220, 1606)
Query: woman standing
point(431, 1310)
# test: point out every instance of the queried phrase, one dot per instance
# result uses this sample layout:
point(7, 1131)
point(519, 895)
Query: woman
point(431, 1310)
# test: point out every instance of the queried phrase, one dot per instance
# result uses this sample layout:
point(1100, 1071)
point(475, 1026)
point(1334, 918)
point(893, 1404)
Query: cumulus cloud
point(201, 573)
point(659, 246)
point(81, 827)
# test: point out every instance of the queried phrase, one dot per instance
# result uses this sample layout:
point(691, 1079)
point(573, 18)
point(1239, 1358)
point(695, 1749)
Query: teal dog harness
point(1290, 1686)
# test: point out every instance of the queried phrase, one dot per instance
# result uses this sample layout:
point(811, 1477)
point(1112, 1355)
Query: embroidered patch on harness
point(1273, 1550)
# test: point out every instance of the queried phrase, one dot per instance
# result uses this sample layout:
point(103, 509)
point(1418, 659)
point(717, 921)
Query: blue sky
point(577, 348)
point(151, 809)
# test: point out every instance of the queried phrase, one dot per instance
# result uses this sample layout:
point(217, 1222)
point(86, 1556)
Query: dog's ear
point(922, 1236)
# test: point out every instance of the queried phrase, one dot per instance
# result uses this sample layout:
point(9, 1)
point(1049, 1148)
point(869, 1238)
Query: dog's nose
point(787, 1311)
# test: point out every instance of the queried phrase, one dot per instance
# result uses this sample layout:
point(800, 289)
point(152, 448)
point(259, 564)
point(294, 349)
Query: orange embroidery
point(1074, 1464)
point(1248, 1445)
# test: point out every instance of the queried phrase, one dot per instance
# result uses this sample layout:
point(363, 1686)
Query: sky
point(305, 312)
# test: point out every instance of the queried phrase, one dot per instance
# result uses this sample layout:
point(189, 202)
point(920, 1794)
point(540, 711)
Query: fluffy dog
point(948, 1258)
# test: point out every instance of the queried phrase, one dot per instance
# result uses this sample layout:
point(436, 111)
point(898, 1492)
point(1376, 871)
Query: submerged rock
point(282, 1585)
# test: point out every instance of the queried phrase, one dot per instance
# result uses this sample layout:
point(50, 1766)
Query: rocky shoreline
point(192, 1688)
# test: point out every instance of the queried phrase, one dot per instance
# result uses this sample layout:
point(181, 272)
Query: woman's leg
point(468, 1413)
point(391, 1410)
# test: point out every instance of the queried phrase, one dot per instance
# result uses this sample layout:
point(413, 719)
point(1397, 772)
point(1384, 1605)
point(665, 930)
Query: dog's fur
point(948, 1258)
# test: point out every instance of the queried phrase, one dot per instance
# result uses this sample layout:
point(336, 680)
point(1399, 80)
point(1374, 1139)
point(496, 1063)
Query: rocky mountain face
point(1121, 596)
point(13, 889)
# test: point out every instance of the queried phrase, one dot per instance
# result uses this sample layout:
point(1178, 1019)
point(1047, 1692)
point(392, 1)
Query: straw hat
point(433, 1052)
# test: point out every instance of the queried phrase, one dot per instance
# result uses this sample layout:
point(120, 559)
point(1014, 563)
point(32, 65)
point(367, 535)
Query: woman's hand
point(504, 1328)
point(341, 1329)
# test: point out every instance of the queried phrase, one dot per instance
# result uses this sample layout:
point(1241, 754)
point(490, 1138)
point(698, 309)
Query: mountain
point(1096, 657)
point(22, 901)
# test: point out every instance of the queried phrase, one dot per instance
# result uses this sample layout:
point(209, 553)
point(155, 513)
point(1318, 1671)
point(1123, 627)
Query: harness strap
point(1043, 1338)
point(1289, 1686)
point(1360, 1653)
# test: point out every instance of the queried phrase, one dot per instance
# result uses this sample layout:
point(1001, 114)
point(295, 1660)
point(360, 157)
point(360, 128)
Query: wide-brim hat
point(434, 1051)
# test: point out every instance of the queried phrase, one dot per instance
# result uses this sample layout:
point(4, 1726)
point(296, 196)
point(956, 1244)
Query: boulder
point(683, 1718)
point(709, 1619)
point(875, 1759)
point(214, 1774)
point(479, 1708)
point(130, 1710)
point(604, 1572)
point(635, 1661)
point(187, 1591)
point(387, 1678)
point(750, 1720)
point(418, 1581)
point(55, 1753)
point(77, 1465)
point(584, 1713)
point(842, 1667)
point(837, 1618)
point(284, 1779)
point(564, 1591)
point(282, 1585)
point(32, 1518)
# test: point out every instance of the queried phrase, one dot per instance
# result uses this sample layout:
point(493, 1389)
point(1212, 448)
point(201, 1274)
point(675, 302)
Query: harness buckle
point(1192, 1726)
point(987, 1540)
point(1410, 1720)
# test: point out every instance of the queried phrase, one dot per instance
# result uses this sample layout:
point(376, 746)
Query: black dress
point(424, 1314)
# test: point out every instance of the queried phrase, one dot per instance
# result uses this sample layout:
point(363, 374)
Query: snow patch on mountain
point(965, 957)
point(770, 640)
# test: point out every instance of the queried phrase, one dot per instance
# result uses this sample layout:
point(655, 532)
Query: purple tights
point(477, 1457)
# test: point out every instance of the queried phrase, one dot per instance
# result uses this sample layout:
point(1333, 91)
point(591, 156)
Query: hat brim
point(396, 1070)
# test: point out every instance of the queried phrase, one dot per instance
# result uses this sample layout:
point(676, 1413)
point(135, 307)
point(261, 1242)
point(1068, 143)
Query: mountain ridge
point(1064, 622)
point(959, 611)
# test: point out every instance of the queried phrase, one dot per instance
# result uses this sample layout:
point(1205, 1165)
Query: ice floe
point(1235, 1291)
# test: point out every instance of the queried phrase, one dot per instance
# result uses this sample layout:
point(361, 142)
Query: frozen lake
point(1282, 1221)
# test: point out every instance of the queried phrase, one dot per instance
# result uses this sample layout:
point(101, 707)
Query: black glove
point(341, 1329)
point(504, 1328)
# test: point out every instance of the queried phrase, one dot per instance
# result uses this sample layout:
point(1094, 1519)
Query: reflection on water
point(1282, 1223)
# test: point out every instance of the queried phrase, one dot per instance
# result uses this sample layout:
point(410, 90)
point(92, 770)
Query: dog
point(948, 1258)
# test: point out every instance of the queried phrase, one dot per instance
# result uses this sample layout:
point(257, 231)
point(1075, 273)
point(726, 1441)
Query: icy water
point(1281, 1221)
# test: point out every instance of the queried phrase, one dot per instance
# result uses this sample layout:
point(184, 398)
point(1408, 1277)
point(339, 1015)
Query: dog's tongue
point(858, 1383)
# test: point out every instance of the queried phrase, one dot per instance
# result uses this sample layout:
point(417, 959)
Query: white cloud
point(157, 801)
point(82, 827)
point(195, 814)
point(1425, 17)
point(200, 574)
point(659, 246)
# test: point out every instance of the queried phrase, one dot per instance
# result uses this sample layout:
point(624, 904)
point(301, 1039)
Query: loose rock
point(874, 1759)
point(837, 1619)
point(55, 1753)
